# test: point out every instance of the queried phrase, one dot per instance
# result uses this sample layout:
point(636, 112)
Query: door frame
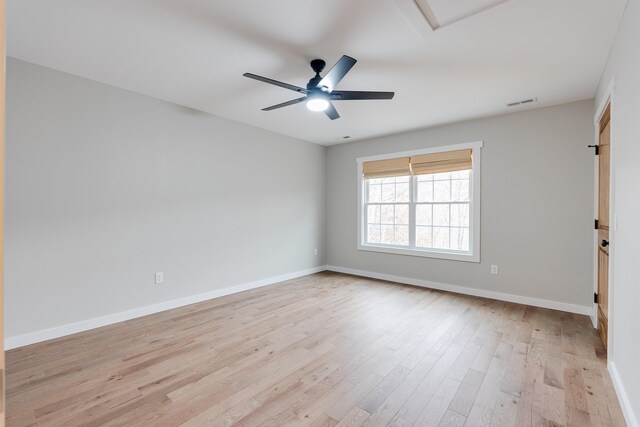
point(607, 100)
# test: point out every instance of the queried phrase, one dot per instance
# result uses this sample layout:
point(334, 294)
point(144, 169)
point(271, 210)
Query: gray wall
point(624, 322)
point(106, 187)
point(537, 205)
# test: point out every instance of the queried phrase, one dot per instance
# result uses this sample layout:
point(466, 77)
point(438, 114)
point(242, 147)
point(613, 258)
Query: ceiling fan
point(320, 90)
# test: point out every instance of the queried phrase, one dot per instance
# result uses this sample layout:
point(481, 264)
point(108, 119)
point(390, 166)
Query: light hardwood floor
point(323, 350)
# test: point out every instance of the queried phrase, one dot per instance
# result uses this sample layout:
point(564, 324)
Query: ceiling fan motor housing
point(317, 65)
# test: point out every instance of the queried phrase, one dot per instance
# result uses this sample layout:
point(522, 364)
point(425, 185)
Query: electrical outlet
point(315, 252)
point(494, 269)
point(159, 277)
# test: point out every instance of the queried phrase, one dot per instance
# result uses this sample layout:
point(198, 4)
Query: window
point(423, 203)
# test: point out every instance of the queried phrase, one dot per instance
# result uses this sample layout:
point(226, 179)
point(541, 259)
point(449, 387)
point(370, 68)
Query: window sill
point(454, 256)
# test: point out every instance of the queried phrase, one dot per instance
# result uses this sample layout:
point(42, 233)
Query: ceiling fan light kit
point(317, 103)
point(319, 92)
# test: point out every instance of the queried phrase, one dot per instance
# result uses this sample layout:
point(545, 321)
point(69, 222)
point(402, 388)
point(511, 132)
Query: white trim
point(604, 101)
point(625, 403)
point(454, 256)
point(536, 302)
point(84, 325)
point(596, 165)
point(474, 254)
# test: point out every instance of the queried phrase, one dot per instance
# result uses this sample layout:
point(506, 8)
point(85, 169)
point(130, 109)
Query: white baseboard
point(594, 316)
point(84, 325)
point(571, 308)
point(623, 398)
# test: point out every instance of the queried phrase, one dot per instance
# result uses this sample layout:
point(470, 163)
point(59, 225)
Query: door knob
point(604, 243)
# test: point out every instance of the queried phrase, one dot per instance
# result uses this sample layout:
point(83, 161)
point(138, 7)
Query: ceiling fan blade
point(285, 104)
point(275, 82)
point(337, 72)
point(331, 112)
point(347, 95)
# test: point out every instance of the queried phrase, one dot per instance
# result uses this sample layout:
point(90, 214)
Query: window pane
point(460, 239)
point(373, 192)
point(402, 235)
point(373, 214)
point(394, 179)
point(425, 190)
point(388, 193)
point(446, 176)
point(424, 215)
point(442, 191)
point(461, 174)
point(387, 235)
point(423, 237)
point(460, 190)
point(441, 237)
point(373, 233)
point(402, 214)
point(388, 190)
point(402, 192)
point(386, 215)
point(441, 215)
point(460, 215)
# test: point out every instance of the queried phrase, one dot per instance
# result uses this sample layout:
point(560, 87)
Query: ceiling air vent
point(524, 101)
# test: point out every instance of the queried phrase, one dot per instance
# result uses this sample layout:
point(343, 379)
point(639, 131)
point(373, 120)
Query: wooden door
point(604, 145)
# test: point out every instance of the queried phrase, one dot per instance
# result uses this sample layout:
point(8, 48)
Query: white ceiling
point(194, 53)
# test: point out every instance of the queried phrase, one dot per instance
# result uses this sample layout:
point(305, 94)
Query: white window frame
point(474, 203)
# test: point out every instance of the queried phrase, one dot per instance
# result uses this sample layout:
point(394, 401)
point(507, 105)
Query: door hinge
point(595, 224)
point(597, 147)
point(595, 298)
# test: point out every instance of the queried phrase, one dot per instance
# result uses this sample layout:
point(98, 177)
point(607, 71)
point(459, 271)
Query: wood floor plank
point(506, 411)
point(479, 417)
point(322, 350)
point(466, 395)
point(355, 418)
point(376, 396)
point(434, 411)
point(415, 404)
point(452, 419)
point(488, 393)
point(389, 408)
point(346, 402)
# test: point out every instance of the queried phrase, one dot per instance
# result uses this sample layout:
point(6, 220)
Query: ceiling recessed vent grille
point(524, 101)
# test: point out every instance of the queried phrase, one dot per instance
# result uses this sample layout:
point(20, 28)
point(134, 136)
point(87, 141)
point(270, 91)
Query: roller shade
point(386, 168)
point(447, 161)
